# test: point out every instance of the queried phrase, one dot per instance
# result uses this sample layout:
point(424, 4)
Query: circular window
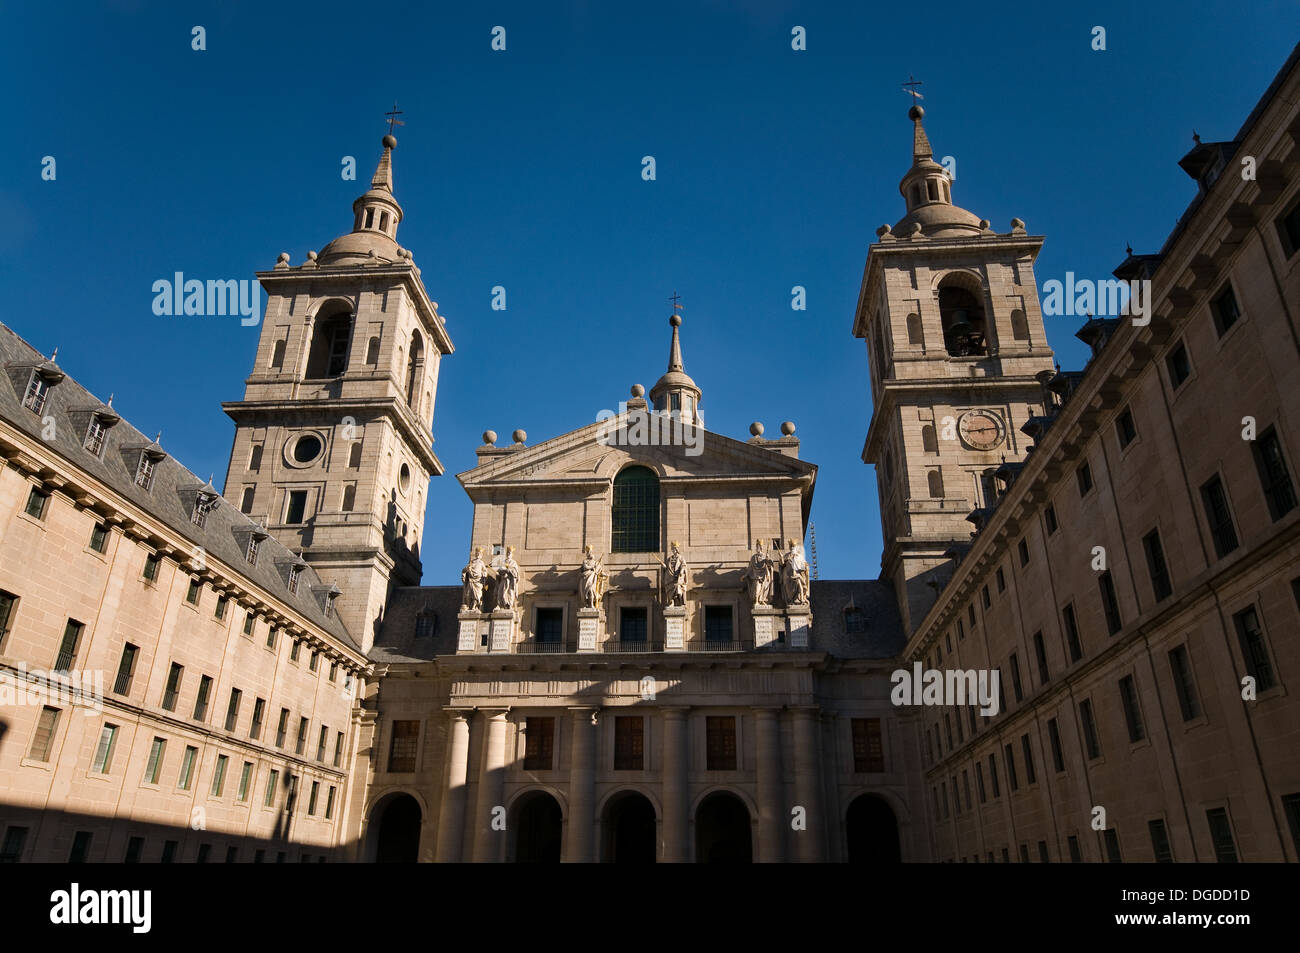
point(404, 478)
point(307, 449)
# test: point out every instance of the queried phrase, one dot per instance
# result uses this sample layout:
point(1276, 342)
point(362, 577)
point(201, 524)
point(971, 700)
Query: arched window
point(349, 497)
point(329, 346)
point(635, 514)
point(1019, 326)
point(914, 337)
point(372, 351)
point(354, 456)
point(935, 478)
point(277, 355)
point(414, 368)
point(962, 315)
point(929, 443)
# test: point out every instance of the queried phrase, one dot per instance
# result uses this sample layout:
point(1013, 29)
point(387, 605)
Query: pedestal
point(675, 629)
point(468, 638)
point(588, 630)
point(799, 621)
point(502, 631)
point(764, 625)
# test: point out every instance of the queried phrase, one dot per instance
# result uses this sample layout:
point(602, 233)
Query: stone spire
point(675, 392)
point(383, 177)
point(920, 141)
point(675, 351)
point(376, 215)
point(927, 189)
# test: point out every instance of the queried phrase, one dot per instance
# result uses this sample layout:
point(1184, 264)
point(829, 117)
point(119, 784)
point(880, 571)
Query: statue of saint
point(677, 579)
point(594, 579)
point(507, 570)
point(758, 576)
point(472, 577)
point(794, 576)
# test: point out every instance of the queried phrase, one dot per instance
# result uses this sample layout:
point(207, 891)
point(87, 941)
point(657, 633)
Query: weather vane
point(910, 86)
point(392, 115)
point(674, 299)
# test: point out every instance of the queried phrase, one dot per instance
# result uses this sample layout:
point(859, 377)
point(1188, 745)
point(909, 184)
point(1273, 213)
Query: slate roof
point(171, 498)
point(883, 638)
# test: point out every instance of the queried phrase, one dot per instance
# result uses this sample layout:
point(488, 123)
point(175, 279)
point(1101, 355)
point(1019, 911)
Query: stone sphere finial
point(311, 256)
point(675, 320)
point(787, 428)
point(390, 141)
point(884, 230)
point(638, 390)
point(489, 437)
point(756, 429)
point(519, 436)
point(1017, 223)
point(985, 223)
point(916, 113)
point(284, 258)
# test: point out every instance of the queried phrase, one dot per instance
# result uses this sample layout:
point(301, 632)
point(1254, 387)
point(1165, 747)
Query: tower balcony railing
point(718, 645)
point(535, 647)
point(631, 646)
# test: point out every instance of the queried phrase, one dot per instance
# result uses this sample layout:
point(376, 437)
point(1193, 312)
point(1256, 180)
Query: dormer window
point(38, 388)
point(95, 434)
point(253, 542)
point(144, 471)
point(294, 572)
point(202, 507)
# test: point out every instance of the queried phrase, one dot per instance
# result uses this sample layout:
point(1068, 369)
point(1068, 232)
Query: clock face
point(981, 429)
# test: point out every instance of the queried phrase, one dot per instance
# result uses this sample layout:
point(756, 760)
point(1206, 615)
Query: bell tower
point(333, 445)
point(956, 350)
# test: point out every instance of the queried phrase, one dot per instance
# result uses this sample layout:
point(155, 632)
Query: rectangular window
point(219, 775)
point(154, 768)
point(1112, 845)
point(8, 610)
point(1225, 310)
point(282, 728)
point(322, 743)
point(550, 625)
point(961, 631)
point(222, 602)
point(272, 780)
point(1084, 476)
point(68, 648)
point(965, 784)
point(272, 634)
point(329, 802)
point(1028, 752)
point(295, 650)
point(245, 776)
point(259, 713)
point(192, 594)
point(632, 624)
point(99, 537)
point(1054, 737)
point(1090, 743)
point(717, 624)
point(1076, 856)
point(300, 741)
point(250, 555)
point(201, 701)
point(1009, 756)
point(169, 851)
point(1040, 656)
point(151, 563)
point(36, 501)
point(1178, 365)
point(984, 596)
point(1016, 687)
point(1132, 711)
point(1161, 587)
point(134, 848)
point(295, 571)
point(993, 774)
point(943, 790)
point(80, 847)
point(1002, 580)
point(187, 768)
point(173, 688)
point(720, 737)
point(1274, 476)
point(338, 748)
point(232, 709)
point(1124, 428)
point(1023, 548)
point(1219, 517)
point(1109, 603)
point(1024, 853)
point(629, 743)
point(1291, 807)
point(296, 511)
point(43, 737)
point(1072, 633)
point(314, 662)
point(1042, 852)
point(979, 783)
point(956, 796)
point(104, 750)
point(539, 744)
point(334, 671)
point(312, 798)
point(1160, 847)
point(250, 621)
point(868, 746)
point(1180, 666)
point(38, 388)
point(970, 614)
point(232, 854)
point(144, 472)
point(1049, 517)
point(401, 747)
point(1288, 228)
point(125, 669)
point(1254, 651)
point(1225, 850)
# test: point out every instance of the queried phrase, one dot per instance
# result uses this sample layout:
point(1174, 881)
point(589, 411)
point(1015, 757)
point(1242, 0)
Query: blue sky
point(522, 169)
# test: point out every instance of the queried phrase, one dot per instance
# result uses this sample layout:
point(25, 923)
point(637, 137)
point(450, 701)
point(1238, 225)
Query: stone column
point(773, 817)
point(676, 793)
point(809, 843)
point(489, 838)
point(582, 789)
point(451, 816)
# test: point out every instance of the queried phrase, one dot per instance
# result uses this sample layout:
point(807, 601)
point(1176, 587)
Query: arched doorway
point(629, 832)
point(398, 837)
point(723, 831)
point(872, 831)
point(538, 826)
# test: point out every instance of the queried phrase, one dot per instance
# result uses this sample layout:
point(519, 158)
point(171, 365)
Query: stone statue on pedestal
point(595, 580)
point(794, 576)
point(678, 578)
point(758, 576)
point(507, 573)
point(473, 577)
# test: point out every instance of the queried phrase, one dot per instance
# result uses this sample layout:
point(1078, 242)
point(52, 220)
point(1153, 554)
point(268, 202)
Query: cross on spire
point(674, 298)
point(392, 115)
point(910, 87)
